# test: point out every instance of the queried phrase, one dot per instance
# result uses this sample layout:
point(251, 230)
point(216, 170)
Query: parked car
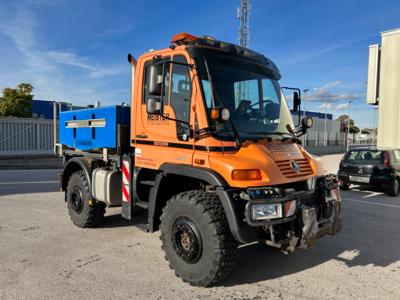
point(371, 167)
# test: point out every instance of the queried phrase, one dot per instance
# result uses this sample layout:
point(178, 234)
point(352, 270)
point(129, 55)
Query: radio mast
point(243, 14)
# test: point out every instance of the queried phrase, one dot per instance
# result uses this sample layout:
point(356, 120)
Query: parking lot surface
point(43, 255)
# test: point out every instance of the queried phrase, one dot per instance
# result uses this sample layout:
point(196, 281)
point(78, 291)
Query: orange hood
point(278, 163)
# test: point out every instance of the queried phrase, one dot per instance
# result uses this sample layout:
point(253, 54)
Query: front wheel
point(196, 238)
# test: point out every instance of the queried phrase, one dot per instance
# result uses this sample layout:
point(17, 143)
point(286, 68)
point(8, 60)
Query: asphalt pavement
point(43, 255)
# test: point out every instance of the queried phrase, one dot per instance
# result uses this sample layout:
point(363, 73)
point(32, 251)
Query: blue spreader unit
point(93, 128)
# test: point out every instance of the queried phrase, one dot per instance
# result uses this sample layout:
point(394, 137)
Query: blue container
point(93, 128)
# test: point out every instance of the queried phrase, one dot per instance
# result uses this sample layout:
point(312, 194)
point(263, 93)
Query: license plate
point(359, 179)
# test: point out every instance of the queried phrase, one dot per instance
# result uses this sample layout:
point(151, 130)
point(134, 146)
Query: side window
point(180, 95)
point(271, 102)
point(146, 94)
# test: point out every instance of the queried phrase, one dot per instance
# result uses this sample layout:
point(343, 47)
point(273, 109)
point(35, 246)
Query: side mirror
point(156, 79)
point(153, 106)
point(296, 102)
point(307, 123)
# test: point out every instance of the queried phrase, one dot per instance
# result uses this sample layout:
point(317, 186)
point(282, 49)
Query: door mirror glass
point(156, 79)
point(296, 101)
point(153, 106)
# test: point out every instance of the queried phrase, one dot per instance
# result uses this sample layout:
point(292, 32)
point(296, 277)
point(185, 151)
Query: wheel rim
point(186, 240)
point(77, 199)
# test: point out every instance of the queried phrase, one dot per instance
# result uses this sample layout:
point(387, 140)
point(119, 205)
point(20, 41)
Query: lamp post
point(348, 127)
point(326, 113)
point(304, 97)
point(375, 129)
point(304, 108)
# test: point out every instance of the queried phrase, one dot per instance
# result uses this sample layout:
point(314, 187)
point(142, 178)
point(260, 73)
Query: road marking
point(27, 182)
point(369, 202)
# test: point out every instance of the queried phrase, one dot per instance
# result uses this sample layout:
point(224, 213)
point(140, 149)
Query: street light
point(375, 107)
point(348, 126)
point(326, 113)
point(304, 107)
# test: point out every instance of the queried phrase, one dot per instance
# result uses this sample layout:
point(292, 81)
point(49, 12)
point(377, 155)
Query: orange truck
point(209, 149)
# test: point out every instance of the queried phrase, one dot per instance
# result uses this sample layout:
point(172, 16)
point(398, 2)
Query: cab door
point(166, 138)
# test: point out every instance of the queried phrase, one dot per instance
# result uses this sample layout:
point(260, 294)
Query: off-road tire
point(87, 215)
point(344, 187)
point(394, 188)
point(219, 255)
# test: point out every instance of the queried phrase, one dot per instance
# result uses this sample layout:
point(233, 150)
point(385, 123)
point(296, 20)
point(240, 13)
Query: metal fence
point(26, 136)
point(325, 139)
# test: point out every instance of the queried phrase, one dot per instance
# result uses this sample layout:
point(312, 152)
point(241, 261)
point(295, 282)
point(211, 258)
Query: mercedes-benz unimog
point(209, 148)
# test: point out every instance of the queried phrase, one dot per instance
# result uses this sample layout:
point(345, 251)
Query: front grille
point(287, 170)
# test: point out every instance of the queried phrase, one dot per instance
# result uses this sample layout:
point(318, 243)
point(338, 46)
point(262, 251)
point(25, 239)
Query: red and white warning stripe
point(125, 181)
point(289, 208)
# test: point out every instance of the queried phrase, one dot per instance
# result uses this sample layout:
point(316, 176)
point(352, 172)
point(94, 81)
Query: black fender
point(76, 164)
point(242, 232)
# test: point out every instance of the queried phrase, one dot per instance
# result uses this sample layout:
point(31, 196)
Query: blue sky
point(76, 50)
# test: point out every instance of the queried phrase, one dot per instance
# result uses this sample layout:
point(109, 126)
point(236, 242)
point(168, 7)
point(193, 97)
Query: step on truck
point(209, 148)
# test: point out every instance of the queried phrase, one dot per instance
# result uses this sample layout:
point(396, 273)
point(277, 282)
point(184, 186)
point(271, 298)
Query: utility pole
point(304, 110)
point(348, 126)
point(326, 114)
point(243, 14)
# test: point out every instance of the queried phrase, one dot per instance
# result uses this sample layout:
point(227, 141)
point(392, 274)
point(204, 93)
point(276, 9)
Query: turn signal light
point(215, 114)
point(250, 174)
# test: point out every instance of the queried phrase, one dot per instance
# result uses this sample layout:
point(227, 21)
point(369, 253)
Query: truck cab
point(210, 151)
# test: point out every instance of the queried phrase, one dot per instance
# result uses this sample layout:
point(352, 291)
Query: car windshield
point(256, 104)
point(364, 156)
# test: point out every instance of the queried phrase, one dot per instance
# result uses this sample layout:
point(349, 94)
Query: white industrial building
point(384, 87)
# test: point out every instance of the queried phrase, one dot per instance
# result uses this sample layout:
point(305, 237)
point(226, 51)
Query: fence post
point(38, 136)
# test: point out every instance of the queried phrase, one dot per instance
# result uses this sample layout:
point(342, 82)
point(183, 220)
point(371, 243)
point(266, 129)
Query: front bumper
point(316, 214)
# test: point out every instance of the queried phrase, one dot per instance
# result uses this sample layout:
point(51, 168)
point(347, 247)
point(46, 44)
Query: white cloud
point(325, 106)
point(342, 106)
point(324, 94)
point(44, 67)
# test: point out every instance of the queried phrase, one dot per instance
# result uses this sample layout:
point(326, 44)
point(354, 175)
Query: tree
point(17, 102)
point(353, 127)
point(365, 131)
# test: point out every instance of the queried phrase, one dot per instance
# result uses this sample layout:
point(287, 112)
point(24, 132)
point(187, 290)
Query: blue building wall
point(44, 109)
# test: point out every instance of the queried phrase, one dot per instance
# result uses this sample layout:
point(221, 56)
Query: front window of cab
point(257, 106)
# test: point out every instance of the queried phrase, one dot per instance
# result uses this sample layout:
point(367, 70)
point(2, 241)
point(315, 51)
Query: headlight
point(266, 211)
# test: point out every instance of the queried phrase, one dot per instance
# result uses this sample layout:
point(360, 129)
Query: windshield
point(364, 156)
point(255, 101)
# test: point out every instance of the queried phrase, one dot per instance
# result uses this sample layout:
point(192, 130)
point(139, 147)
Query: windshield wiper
point(285, 135)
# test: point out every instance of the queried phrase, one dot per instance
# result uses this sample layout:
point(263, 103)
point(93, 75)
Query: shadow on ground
point(363, 241)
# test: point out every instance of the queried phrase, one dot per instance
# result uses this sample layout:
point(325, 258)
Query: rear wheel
point(83, 212)
point(196, 238)
point(394, 187)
